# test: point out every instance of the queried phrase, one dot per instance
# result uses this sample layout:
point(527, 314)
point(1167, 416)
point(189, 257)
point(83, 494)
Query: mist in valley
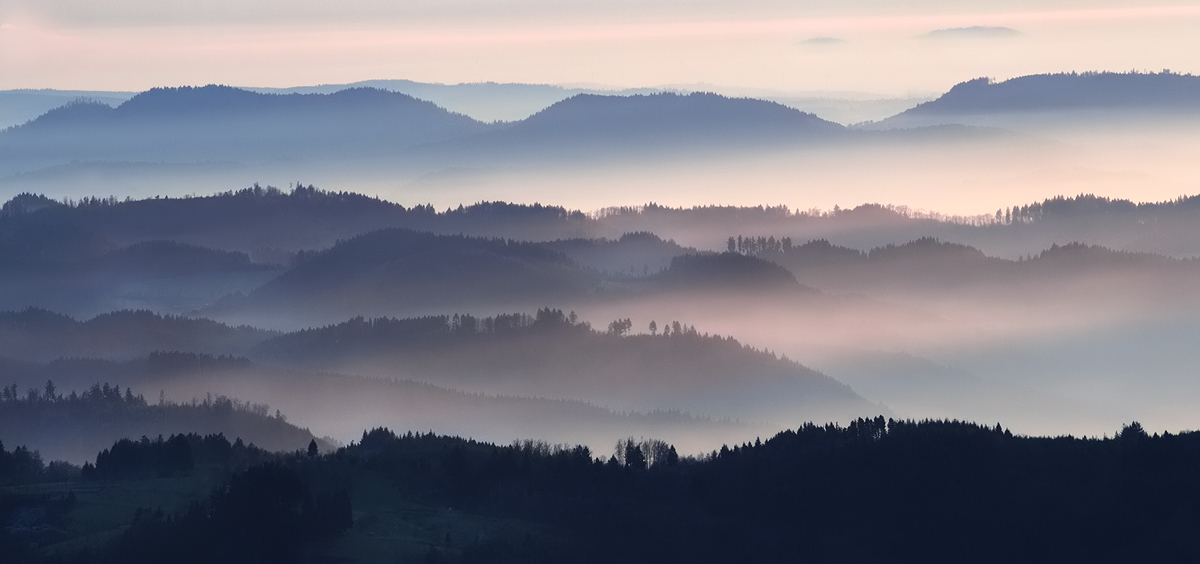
point(618, 289)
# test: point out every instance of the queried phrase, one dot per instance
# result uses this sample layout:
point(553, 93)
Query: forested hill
point(638, 253)
point(726, 271)
point(272, 224)
point(928, 265)
point(876, 490)
point(260, 220)
point(395, 270)
point(341, 405)
point(74, 425)
point(1097, 98)
point(1069, 91)
point(553, 355)
point(40, 335)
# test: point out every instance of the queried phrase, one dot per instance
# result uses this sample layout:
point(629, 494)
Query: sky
point(881, 47)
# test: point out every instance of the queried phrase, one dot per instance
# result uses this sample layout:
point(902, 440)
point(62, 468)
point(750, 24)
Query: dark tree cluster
point(24, 466)
point(1093, 206)
point(756, 245)
point(267, 514)
point(876, 490)
point(163, 458)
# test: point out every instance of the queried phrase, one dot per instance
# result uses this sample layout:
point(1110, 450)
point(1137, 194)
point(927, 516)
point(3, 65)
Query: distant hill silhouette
point(220, 123)
point(928, 265)
point(551, 355)
point(191, 137)
point(971, 102)
point(20, 106)
point(172, 259)
point(589, 124)
point(265, 219)
point(399, 269)
point(39, 335)
point(341, 405)
point(725, 271)
point(75, 424)
point(485, 101)
point(638, 253)
point(74, 267)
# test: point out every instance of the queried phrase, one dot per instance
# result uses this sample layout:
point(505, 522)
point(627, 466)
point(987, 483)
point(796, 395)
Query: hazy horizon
point(882, 48)
point(617, 280)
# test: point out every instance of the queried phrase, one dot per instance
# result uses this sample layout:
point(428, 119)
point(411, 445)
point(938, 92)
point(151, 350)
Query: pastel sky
point(137, 44)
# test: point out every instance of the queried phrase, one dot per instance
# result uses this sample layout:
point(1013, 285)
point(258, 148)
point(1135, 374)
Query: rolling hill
point(1096, 96)
point(220, 123)
point(38, 335)
point(587, 126)
point(342, 405)
point(552, 355)
point(397, 270)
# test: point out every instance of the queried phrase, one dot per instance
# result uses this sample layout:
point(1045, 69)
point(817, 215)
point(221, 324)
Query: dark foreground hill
point(874, 491)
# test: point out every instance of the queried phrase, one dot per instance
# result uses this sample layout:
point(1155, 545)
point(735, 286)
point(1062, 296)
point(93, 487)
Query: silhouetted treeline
point(874, 491)
point(75, 425)
point(271, 225)
point(25, 466)
point(268, 508)
point(176, 455)
point(928, 264)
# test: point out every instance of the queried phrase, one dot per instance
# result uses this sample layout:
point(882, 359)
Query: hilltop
point(1097, 96)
